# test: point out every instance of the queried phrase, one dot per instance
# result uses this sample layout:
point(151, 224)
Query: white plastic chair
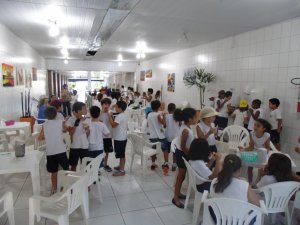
point(233, 212)
point(7, 201)
point(277, 197)
point(4, 142)
point(143, 148)
point(193, 178)
point(132, 126)
point(58, 207)
point(237, 136)
point(296, 205)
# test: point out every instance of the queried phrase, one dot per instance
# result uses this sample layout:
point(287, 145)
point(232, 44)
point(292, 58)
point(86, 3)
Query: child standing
point(58, 105)
point(107, 140)
point(224, 110)
point(79, 132)
point(255, 113)
point(259, 138)
point(185, 137)
point(156, 122)
point(240, 114)
point(98, 130)
point(149, 100)
point(205, 129)
point(52, 132)
point(275, 119)
point(172, 129)
point(119, 125)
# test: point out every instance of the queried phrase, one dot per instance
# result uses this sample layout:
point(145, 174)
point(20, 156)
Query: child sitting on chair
point(52, 133)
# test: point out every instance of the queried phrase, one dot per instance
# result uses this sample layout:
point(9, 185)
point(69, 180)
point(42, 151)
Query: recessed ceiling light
point(120, 64)
point(66, 61)
point(54, 30)
point(120, 57)
point(64, 52)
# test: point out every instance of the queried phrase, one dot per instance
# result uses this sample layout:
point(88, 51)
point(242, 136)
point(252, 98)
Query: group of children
point(90, 137)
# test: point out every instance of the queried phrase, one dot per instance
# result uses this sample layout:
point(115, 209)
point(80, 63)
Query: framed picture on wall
point(171, 82)
point(34, 74)
point(149, 74)
point(142, 76)
point(8, 76)
point(28, 78)
point(20, 80)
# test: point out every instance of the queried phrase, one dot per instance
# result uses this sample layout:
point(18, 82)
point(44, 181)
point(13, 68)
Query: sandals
point(180, 205)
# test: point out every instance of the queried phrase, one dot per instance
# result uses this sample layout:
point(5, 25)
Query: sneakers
point(174, 167)
point(119, 173)
point(165, 168)
point(107, 168)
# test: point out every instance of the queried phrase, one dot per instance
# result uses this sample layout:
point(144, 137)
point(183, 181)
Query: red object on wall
point(298, 107)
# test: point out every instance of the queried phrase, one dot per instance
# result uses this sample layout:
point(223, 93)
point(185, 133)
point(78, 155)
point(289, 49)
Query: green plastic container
point(249, 157)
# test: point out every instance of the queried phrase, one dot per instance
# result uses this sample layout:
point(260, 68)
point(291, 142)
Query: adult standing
point(66, 100)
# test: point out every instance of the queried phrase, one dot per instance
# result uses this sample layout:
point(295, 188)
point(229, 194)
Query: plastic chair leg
point(273, 218)
point(288, 217)
point(99, 191)
point(63, 220)
point(85, 205)
point(131, 163)
point(144, 164)
point(196, 210)
point(188, 193)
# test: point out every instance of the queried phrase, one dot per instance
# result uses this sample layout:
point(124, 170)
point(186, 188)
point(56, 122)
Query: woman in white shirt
point(228, 184)
point(200, 159)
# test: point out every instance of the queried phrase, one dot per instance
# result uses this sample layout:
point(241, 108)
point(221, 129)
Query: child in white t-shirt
point(259, 138)
point(255, 113)
point(107, 141)
point(224, 110)
point(240, 114)
point(172, 130)
point(119, 125)
point(275, 119)
point(78, 128)
point(52, 132)
point(98, 131)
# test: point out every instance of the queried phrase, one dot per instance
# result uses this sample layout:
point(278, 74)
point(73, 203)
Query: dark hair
point(184, 115)
point(150, 90)
point(50, 113)
point(228, 94)
point(99, 97)
point(113, 95)
point(157, 93)
point(222, 92)
point(77, 106)
point(74, 92)
point(265, 124)
point(256, 102)
point(122, 86)
point(199, 150)
point(105, 101)
point(275, 101)
point(95, 112)
point(118, 95)
point(171, 107)
point(155, 105)
point(232, 163)
point(280, 166)
point(122, 105)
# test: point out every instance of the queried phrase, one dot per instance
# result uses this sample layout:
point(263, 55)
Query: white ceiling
point(166, 25)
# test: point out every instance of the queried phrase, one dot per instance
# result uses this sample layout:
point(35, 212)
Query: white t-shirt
point(224, 110)
point(80, 139)
point(53, 132)
point(113, 103)
point(273, 117)
point(172, 128)
point(104, 117)
point(189, 139)
point(120, 132)
point(98, 131)
point(252, 120)
point(205, 129)
point(237, 189)
point(266, 180)
point(148, 104)
point(201, 168)
point(60, 116)
point(155, 127)
point(259, 142)
point(239, 117)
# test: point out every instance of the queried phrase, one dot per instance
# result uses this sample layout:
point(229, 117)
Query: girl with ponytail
point(185, 138)
point(228, 184)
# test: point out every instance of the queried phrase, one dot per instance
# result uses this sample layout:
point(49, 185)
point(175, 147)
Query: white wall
point(265, 59)
point(16, 52)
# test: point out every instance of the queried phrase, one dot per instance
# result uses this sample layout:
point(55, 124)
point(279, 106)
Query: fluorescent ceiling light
point(64, 52)
point(66, 61)
point(120, 64)
point(120, 57)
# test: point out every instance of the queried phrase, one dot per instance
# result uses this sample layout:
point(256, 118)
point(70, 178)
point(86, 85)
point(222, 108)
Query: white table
point(9, 163)
point(18, 126)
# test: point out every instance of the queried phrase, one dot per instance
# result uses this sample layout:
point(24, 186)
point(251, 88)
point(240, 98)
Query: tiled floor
point(128, 200)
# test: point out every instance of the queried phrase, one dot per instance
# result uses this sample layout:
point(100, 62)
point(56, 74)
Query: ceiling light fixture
point(66, 61)
point(64, 41)
point(141, 49)
point(120, 60)
point(120, 64)
point(54, 30)
point(64, 52)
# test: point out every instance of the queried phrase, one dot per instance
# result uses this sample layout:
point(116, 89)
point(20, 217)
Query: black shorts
point(76, 154)
point(53, 161)
point(275, 136)
point(168, 145)
point(107, 144)
point(120, 147)
point(164, 146)
point(203, 187)
point(221, 122)
point(179, 161)
point(94, 154)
